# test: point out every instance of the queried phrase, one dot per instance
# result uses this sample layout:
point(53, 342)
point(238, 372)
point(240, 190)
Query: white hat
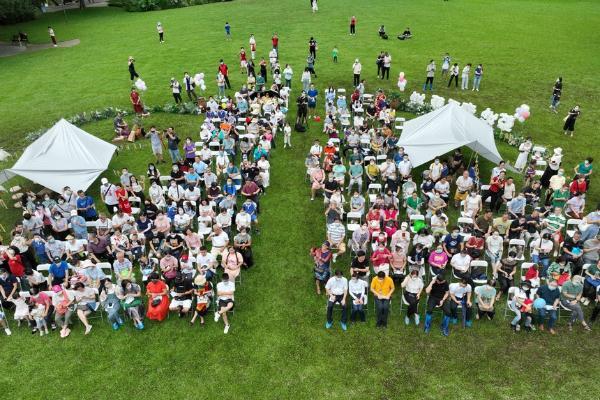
point(404, 225)
point(73, 212)
point(104, 181)
point(558, 150)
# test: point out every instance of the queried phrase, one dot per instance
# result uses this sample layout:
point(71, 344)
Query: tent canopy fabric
point(64, 156)
point(445, 129)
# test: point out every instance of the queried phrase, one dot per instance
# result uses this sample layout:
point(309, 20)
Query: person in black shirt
point(331, 185)
point(155, 240)
point(302, 103)
point(182, 300)
point(532, 194)
point(437, 294)
point(573, 250)
point(360, 265)
point(556, 93)
point(517, 227)
point(312, 47)
point(150, 210)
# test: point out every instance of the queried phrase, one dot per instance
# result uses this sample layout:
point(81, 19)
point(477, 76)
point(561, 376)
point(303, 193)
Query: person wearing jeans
point(569, 298)
point(477, 77)
point(460, 295)
point(337, 291)
point(437, 292)
point(551, 295)
point(382, 288)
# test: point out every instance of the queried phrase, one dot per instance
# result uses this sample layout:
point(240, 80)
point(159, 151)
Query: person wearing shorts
point(182, 295)
point(225, 296)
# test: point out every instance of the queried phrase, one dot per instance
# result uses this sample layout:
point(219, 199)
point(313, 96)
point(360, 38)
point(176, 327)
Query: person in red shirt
point(353, 25)
point(243, 61)
point(578, 185)
point(15, 264)
point(275, 41)
point(496, 191)
point(225, 71)
point(381, 259)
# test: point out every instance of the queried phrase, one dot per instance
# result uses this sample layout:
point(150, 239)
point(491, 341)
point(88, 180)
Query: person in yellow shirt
point(372, 171)
point(382, 288)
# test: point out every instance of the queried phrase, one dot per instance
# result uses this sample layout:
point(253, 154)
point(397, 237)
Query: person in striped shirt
point(554, 224)
point(336, 234)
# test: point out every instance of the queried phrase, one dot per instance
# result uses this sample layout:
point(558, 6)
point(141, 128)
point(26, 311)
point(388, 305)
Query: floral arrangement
point(437, 102)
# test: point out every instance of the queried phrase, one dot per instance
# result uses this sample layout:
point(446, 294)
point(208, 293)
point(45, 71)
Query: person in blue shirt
point(312, 100)
point(233, 172)
point(191, 178)
point(199, 166)
point(250, 207)
point(85, 206)
point(227, 31)
point(39, 247)
point(58, 272)
point(171, 211)
point(229, 188)
point(259, 152)
point(453, 243)
point(78, 225)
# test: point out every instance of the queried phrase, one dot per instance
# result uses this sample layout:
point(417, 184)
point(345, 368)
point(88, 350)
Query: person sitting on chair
point(337, 291)
point(225, 292)
point(406, 34)
point(182, 295)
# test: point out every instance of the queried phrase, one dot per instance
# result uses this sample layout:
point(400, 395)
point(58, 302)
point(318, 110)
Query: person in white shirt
point(287, 136)
point(461, 263)
point(316, 149)
point(205, 263)
point(181, 221)
point(221, 161)
point(219, 240)
point(108, 193)
point(122, 221)
point(387, 169)
point(509, 190)
point(337, 291)
point(224, 220)
point(387, 63)
point(454, 75)
point(175, 192)
point(225, 296)
point(242, 220)
point(192, 193)
point(356, 70)
point(460, 295)
point(161, 32)
point(464, 184)
point(357, 289)
point(497, 169)
point(435, 170)
point(412, 286)
point(464, 84)
point(404, 168)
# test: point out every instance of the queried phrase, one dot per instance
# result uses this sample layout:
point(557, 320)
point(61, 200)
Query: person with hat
point(337, 291)
point(226, 303)
point(108, 193)
point(203, 290)
point(78, 225)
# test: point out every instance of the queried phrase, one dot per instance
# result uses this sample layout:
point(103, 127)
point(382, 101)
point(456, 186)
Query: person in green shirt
point(558, 267)
point(560, 197)
point(569, 298)
point(413, 205)
point(356, 176)
point(339, 172)
point(334, 54)
point(485, 297)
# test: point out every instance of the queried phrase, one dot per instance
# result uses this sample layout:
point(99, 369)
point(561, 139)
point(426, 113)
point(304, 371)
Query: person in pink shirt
point(381, 259)
point(438, 260)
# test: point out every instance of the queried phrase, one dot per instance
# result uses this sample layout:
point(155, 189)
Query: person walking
point(356, 70)
point(225, 71)
point(52, 36)
point(556, 93)
point(176, 89)
point(189, 85)
point(161, 32)
point(227, 31)
point(312, 47)
point(430, 74)
point(570, 120)
point(387, 64)
point(477, 77)
point(131, 66)
point(337, 291)
point(382, 288)
point(353, 26)
point(453, 75)
point(464, 83)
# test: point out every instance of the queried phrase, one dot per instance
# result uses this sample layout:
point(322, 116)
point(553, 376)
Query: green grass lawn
point(277, 347)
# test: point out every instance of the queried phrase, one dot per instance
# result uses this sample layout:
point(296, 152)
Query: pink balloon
point(525, 114)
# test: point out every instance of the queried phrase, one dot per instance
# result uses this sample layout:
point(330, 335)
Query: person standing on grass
point(312, 100)
point(356, 70)
point(382, 288)
point(275, 41)
point(315, 6)
point(227, 31)
point(466, 71)
point(446, 64)
point(287, 136)
point(477, 77)
point(221, 84)
point(379, 63)
point(337, 291)
point(252, 43)
point(189, 85)
point(453, 75)
point(157, 143)
point(312, 47)
point(53, 38)
point(556, 93)
point(334, 54)
point(570, 120)
point(353, 26)
point(225, 71)
point(243, 61)
point(288, 73)
point(131, 66)
point(310, 65)
point(430, 70)
point(385, 68)
point(176, 89)
point(161, 32)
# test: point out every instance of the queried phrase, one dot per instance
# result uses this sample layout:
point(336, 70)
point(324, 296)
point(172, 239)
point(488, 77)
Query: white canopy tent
point(445, 129)
point(64, 156)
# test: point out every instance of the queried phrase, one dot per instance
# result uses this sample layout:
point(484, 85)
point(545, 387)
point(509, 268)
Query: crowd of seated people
point(449, 240)
point(154, 244)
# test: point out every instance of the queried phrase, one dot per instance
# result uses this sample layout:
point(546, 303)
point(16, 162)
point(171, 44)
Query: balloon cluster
point(199, 80)
point(140, 85)
point(522, 112)
point(506, 122)
point(489, 116)
point(402, 81)
point(452, 101)
point(417, 98)
point(469, 107)
point(437, 102)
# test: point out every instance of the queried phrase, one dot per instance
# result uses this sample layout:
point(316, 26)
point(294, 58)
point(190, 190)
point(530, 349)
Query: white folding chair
point(354, 220)
point(540, 149)
point(381, 158)
point(373, 191)
point(523, 269)
point(509, 296)
point(572, 225)
point(399, 123)
point(214, 148)
point(480, 264)
point(540, 167)
point(465, 222)
point(516, 243)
